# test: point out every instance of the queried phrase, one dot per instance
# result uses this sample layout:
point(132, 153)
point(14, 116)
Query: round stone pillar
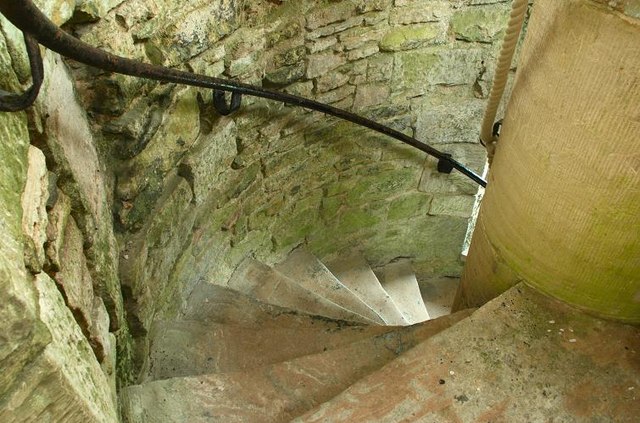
point(562, 208)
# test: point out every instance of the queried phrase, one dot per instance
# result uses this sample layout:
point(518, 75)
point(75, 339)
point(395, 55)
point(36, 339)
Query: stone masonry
point(196, 193)
point(134, 191)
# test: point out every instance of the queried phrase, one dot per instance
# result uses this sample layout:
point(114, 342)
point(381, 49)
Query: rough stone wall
point(62, 312)
point(195, 193)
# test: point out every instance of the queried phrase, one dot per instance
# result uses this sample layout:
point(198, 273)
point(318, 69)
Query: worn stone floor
point(521, 358)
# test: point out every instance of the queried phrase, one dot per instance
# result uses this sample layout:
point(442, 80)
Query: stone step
point(274, 393)
point(355, 273)
point(272, 287)
point(304, 268)
point(399, 280)
point(438, 295)
point(219, 304)
point(187, 348)
point(521, 357)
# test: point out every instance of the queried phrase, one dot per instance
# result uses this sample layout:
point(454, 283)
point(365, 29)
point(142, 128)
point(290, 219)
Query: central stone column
point(562, 209)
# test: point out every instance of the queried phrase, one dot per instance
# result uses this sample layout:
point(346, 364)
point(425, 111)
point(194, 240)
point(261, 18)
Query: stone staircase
point(340, 342)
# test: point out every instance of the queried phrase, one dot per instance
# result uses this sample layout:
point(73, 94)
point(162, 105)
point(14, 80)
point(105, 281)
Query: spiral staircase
point(308, 341)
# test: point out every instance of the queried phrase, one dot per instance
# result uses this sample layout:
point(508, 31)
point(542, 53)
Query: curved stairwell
point(307, 341)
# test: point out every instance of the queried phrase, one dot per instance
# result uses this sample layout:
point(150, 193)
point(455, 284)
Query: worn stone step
point(399, 280)
point(219, 304)
point(355, 273)
point(270, 286)
point(521, 357)
point(186, 348)
point(438, 295)
point(274, 393)
point(304, 268)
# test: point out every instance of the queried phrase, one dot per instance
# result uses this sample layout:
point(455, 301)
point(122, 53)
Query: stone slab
point(438, 295)
point(521, 357)
point(218, 304)
point(274, 393)
point(187, 348)
point(355, 273)
point(399, 280)
point(306, 270)
point(270, 286)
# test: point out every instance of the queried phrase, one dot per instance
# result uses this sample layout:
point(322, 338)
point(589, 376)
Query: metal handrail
point(34, 24)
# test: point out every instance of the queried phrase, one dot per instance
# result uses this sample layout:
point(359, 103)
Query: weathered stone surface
point(327, 14)
point(410, 37)
point(66, 381)
point(58, 218)
point(71, 144)
point(34, 209)
point(433, 11)
point(23, 336)
point(212, 155)
point(371, 95)
point(483, 23)
point(452, 205)
point(321, 63)
point(277, 392)
point(399, 281)
point(188, 348)
point(354, 272)
point(272, 287)
point(438, 295)
point(74, 278)
point(309, 272)
point(451, 122)
point(525, 357)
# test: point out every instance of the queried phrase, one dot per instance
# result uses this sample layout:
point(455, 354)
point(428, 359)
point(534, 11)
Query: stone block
point(366, 50)
point(66, 382)
point(324, 15)
point(368, 95)
point(285, 75)
point(410, 205)
point(357, 37)
point(99, 336)
point(452, 205)
point(58, 218)
point(72, 146)
point(23, 335)
point(411, 37)
point(321, 44)
point(331, 81)
point(336, 28)
point(450, 122)
point(336, 95)
point(434, 66)
point(480, 24)
point(321, 63)
point(380, 68)
point(434, 11)
point(212, 155)
point(73, 278)
point(365, 6)
point(34, 209)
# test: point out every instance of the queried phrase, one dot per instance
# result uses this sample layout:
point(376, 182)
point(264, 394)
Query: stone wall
point(195, 193)
point(62, 313)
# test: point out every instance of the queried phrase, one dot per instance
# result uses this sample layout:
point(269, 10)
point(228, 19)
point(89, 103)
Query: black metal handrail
point(36, 26)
